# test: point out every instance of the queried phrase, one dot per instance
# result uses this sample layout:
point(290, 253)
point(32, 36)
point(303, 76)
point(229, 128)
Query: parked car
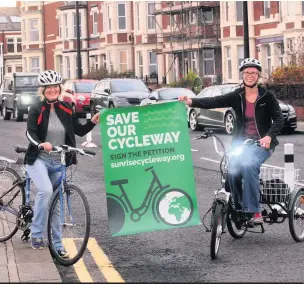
point(19, 92)
point(164, 95)
point(78, 94)
point(112, 93)
point(225, 117)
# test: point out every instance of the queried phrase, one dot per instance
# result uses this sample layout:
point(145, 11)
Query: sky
point(7, 3)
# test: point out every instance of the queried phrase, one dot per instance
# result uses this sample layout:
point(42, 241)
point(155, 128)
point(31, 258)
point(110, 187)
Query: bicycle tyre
point(16, 176)
point(116, 213)
point(234, 232)
point(291, 214)
point(53, 202)
point(216, 224)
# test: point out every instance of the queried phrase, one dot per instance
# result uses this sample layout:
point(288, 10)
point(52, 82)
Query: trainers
point(257, 219)
point(299, 211)
point(63, 253)
point(37, 243)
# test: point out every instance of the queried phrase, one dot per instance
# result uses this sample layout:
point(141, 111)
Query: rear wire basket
point(274, 187)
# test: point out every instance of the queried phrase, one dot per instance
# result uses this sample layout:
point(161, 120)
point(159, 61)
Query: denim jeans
point(243, 177)
point(44, 180)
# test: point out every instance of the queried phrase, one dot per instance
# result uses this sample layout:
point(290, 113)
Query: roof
point(21, 74)
point(81, 80)
point(10, 19)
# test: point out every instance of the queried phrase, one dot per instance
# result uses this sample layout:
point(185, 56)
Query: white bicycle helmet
point(250, 62)
point(49, 77)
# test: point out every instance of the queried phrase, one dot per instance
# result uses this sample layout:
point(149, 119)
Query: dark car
point(111, 93)
point(164, 95)
point(225, 117)
point(19, 92)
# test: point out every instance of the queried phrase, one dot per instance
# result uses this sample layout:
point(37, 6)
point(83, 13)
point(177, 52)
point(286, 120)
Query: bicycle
point(273, 191)
point(63, 198)
point(118, 206)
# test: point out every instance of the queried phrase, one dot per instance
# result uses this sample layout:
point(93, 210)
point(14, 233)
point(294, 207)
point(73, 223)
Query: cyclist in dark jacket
point(258, 116)
point(50, 123)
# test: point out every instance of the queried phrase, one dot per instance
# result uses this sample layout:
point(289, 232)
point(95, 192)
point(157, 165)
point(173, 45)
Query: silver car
point(225, 117)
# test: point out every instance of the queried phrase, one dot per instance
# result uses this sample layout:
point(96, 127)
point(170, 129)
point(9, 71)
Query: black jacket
point(37, 125)
point(268, 114)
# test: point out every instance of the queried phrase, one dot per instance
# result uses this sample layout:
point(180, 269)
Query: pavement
point(20, 263)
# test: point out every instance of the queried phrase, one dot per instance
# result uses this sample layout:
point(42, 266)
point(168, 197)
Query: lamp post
point(79, 75)
point(246, 33)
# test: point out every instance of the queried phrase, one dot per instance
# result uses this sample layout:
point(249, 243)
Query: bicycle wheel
point(75, 228)
point(116, 213)
point(296, 217)
point(9, 203)
point(174, 207)
point(217, 220)
point(236, 230)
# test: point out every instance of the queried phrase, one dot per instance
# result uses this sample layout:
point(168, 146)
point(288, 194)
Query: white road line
point(266, 165)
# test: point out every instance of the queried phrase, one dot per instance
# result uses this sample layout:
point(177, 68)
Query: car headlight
point(292, 110)
point(81, 98)
point(25, 100)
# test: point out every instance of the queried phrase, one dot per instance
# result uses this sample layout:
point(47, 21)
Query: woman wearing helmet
point(50, 122)
point(258, 116)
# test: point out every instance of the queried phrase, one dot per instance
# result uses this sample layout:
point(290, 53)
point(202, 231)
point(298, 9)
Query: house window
point(35, 66)
point(281, 55)
point(152, 63)
point(123, 65)
point(266, 9)
point(186, 17)
point(34, 32)
point(207, 16)
point(18, 68)
point(240, 52)
point(193, 17)
point(151, 17)
point(10, 45)
point(9, 69)
point(60, 64)
point(110, 62)
point(67, 67)
point(194, 61)
point(109, 18)
point(95, 23)
point(268, 58)
point(137, 16)
point(19, 44)
point(302, 8)
point(229, 63)
point(208, 61)
point(122, 16)
point(172, 21)
point(65, 22)
point(227, 11)
point(239, 11)
point(96, 62)
point(140, 64)
point(59, 27)
point(24, 65)
point(75, 25)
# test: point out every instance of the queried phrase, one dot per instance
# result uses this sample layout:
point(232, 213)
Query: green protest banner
point(148, 168)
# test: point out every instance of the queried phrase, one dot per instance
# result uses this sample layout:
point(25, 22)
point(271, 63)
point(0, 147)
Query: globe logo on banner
point(148, 169)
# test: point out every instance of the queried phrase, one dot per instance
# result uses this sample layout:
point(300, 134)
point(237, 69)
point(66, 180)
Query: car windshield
point(227, 89)
point(172, 94)
point(84, 87)
point(27, 81)
point(128, 86)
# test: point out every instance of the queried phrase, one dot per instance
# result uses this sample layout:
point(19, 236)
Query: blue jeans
point(243, 177)
point(40, 174)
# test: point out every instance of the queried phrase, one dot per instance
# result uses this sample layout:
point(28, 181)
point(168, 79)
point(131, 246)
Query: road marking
point(218, 162)
point(103, 263)
point(193, 150)
point(79, 267)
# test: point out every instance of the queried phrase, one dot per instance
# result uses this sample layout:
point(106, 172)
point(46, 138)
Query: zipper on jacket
point(256, 125)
